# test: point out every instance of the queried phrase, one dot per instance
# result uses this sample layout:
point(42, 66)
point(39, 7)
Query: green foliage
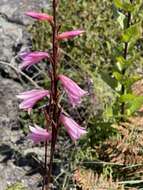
point(126, 5)
point(122, 63)
point(134, 105)
point(124, 71)
point(134, 102)
point(120, 18)
point(16, 186)
point(99, 131)
point(118, 76)
point(132, 33)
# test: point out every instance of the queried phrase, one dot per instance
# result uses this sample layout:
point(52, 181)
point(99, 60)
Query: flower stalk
point(53, 111)
point(54, 91)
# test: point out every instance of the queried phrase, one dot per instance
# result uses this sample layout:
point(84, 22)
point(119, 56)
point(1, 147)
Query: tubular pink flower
point(69, 34)
point(74, 92)
point(30, 98)
point(40, 16)
point(37, 134)
point(32, 58)
point(73, 129)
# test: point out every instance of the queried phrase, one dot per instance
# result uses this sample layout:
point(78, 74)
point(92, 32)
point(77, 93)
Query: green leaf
point(120, 19)
point(118, 76)
point(133, 33)
point(124, 5)
point(109, 112)
point(122, 63)
point(109, 80)
point(131, 80)
point(126, 98)
point(136, 103)
point(118, 3)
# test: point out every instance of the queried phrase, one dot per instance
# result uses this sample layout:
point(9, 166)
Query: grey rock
point(18, 155)
point(15, 9)
point(10, 36)
point(13, 34)
point(8, 101)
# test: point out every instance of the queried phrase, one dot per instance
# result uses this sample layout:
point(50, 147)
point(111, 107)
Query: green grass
point(16, 186)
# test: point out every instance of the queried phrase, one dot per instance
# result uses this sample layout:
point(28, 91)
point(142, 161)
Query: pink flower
point(37, 134)
point(30, 98)
point(74, 92)
point(32, 58)
point(69, 34)
point(40, 16)
point(73, 129)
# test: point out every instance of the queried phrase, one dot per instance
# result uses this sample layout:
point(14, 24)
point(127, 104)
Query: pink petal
point(32, 58)
point(39, 16)
point(74, 130)
point(74, 92)
point(40, 129)
point(69, 34)
point(30, 98)
point(37, 134)
point(32, 93)
point(26, 104)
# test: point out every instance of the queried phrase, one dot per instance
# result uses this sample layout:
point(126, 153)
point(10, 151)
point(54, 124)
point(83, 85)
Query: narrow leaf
point(122, 63)
point(124, 5)
point(109, 80)
point(133, 33)
point(120, 19)
point(126, 98)
point(118, 76)
point(135, 105)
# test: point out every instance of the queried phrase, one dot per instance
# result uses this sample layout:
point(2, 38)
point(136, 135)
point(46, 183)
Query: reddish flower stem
point(54, 95)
